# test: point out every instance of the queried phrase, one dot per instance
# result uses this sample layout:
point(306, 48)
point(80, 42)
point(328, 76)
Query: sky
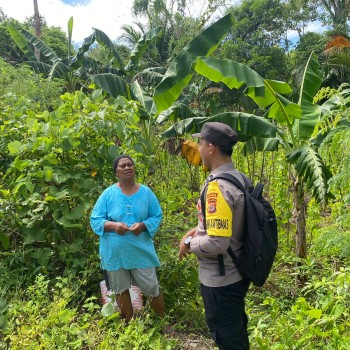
point(106, 15)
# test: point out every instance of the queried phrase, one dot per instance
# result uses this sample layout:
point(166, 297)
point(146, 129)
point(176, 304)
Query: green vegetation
point(59, 138)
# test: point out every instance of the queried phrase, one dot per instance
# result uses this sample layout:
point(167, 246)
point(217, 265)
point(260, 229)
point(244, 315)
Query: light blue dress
point(127, 251)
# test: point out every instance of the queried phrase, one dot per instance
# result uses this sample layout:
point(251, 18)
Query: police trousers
point(225, 315)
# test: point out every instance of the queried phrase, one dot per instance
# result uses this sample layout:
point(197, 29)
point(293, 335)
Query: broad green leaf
point(41, 46)
point(14, 147)
point(112, 84)
point(179, 72)
point(58, 70)
point(310, 167)
point(336, 102)
point(141, 46)
point(40, 67)
point(145, 100)
point(32, 235)
point(88, 41)
point(5, 240)
point(65, 316)
point(247, 125)
point(21, 42)
point(76, 213)
point(284, 111)
point(175, 112)
point(257, 144)
point(113, 151)
point(314, 313)
point(311, 113)
point(108, 309)
point(63, 221)
point(70, 31)
point(48, 173)
point(150, 76)
point(263, 92)
point(182, 127)
point(233, 74)
point(104, 40)
point(280, 87)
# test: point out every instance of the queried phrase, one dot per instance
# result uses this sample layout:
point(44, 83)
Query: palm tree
point(339, 12)
point(37, 27)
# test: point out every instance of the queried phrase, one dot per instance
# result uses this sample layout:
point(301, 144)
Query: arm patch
point(218, 212)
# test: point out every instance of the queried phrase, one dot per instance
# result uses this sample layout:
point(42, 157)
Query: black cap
point(219, 134)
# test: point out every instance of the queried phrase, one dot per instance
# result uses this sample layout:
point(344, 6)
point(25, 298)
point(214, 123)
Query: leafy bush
point(22, 83)
point(46, 317)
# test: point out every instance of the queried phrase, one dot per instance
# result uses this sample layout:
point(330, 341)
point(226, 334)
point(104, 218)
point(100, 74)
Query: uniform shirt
point(127, 251)
point(225, 224)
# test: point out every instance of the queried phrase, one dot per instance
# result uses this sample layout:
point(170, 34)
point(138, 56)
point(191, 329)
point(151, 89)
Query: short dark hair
point(224, 150)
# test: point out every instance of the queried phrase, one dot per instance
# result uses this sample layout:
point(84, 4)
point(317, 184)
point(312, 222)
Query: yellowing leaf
point(190, 151)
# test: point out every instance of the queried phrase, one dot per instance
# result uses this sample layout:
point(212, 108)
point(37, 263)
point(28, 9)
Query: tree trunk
point(37, 27)
point(300, 238)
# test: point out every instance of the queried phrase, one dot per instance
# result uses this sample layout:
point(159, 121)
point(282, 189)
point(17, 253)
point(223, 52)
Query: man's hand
point(137, 228)
point(183, 249)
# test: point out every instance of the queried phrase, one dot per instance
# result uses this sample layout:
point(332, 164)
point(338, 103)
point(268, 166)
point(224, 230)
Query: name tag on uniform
point(219, 213)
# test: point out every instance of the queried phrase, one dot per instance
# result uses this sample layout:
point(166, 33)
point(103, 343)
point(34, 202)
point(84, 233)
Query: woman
point(126, 217)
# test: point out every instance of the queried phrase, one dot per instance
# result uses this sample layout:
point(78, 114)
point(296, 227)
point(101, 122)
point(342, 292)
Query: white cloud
point(106, 15)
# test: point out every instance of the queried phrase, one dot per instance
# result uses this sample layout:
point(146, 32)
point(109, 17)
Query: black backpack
point(260, 233)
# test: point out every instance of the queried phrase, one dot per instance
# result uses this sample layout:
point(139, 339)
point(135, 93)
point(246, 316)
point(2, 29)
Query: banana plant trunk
point(300, 238)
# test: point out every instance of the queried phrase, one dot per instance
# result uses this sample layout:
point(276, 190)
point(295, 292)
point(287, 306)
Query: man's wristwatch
point(188, 241)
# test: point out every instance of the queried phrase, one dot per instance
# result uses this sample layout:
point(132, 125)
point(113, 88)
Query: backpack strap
point(235, 181)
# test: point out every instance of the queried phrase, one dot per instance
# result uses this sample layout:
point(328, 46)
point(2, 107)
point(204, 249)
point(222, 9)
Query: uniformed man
point(223, 295)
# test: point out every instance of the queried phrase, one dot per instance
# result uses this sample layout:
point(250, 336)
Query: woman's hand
point(137, 228)
point(120, 228)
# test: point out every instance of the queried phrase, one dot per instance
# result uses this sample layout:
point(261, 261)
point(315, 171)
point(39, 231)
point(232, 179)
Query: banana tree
point(292, 128)
point(59, 68)
point(160, 106)
point(77, 70)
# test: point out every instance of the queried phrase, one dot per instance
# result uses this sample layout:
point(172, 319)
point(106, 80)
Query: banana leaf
point(40, 67)
point(311, 113)
point(104, 40)
point(246, 125)
point(145, 100)
point(183, 127)
point(21, 42)
point(58, 70)
point(150, 76)
point(70, 31)
point(175, 112)
point(179, 73)
point(112, 84)
point(259, 144)
point(309, 166)
point(263, 92)
point(140, 48)
point(41, 46)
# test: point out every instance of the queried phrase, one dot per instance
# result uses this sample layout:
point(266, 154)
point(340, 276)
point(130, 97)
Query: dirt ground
point(195, 342)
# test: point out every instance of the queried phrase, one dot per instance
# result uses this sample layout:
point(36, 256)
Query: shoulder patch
point(218, 212)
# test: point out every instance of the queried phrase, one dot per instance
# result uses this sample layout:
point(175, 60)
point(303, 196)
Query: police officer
point(223, 294)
